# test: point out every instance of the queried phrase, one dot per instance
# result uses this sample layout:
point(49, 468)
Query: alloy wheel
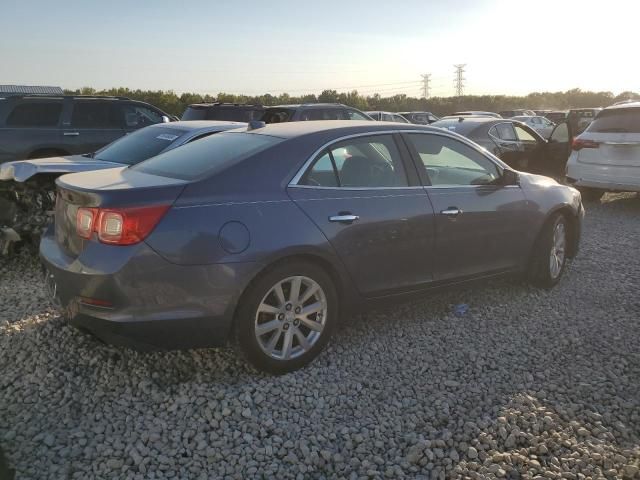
point(291, 318)
point(557, 253)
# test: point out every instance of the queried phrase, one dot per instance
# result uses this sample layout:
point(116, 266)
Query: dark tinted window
point(622, 120)
point(35, 114)
point(359, 162)
point(233, 114)
point(323, 114)
point(207, 156)
point(192, 113)
point(95, 115)
point(277, 115)
point(451, 162)
point(355, 115)
point(139, 145)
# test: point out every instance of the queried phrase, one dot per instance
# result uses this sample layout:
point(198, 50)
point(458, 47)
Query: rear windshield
point(622, 120)
point(231, 114)
point(277, 115)
point(140, 145)
point(455, 125)
point(207, 156)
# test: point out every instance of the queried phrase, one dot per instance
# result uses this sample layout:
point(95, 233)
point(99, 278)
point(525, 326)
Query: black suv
point(232, 112)
point(37, 126)
point(312, 111)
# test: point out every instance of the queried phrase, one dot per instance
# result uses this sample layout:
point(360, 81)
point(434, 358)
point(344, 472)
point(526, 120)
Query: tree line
point(175, 104)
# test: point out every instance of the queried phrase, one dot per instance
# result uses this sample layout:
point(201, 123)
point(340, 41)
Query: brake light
point(580, 143)
point(85, 219)
point(119, 226)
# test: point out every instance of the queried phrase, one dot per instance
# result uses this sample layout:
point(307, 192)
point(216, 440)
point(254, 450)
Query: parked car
point(557, 117)
point(268, 236)
point(542, 113)
point(515, 143)
point(312, 111)
point(516, 113)
point(36, 126)
point(387, 117)
point(542, 125)
point(580, 118)
point(475, 113)
point(606, 156)
point(230, 112)
point(27, 187)
point(420, 118)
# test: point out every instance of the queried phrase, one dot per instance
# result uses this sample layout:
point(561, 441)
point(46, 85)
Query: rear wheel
point(591, 194)
point(549, 254)
point(286, 317)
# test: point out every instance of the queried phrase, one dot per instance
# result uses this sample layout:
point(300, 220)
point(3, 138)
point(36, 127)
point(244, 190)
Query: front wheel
point(549, 253)
point(286, 317)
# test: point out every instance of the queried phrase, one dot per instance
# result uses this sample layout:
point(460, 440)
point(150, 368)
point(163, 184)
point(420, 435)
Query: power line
point(458, 82)
point(425, 85)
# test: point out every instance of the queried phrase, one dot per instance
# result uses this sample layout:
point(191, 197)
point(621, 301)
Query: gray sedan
point(267, 236)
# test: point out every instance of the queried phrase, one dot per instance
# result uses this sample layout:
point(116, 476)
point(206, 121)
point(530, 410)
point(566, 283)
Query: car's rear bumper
point(606, 177)
point(146, 302)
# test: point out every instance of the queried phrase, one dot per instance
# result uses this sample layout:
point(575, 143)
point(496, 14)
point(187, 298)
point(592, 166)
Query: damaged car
point(27, 187)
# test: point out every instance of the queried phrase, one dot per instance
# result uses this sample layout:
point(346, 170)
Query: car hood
point(22, 170)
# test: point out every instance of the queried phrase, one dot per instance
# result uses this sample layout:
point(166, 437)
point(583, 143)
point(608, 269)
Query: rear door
point(480, 224)
point(378, 220)
point(93, 123)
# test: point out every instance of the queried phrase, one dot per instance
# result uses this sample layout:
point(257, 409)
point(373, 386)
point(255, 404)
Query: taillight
point(580, 143)
point(85, 220)
point(119, 226)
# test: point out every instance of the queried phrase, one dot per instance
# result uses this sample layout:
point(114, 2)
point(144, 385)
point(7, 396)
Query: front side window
point(137, 116)
point(278, 115)
point(355, 115)
point(95, 114)
point(449, 162)
point(363, 162)
point(35, 114)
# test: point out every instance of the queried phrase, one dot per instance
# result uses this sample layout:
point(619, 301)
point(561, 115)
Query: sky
point(255, 47)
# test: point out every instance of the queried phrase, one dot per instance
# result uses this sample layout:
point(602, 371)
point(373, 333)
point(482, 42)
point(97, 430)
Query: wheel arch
point(573, 222)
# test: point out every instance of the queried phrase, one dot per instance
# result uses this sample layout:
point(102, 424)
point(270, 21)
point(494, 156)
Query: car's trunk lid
point(615, 149)
point(117, 187)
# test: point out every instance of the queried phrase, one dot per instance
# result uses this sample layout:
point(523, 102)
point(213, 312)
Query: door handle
point(71, 134)
point(344, 218)
point(451, 212)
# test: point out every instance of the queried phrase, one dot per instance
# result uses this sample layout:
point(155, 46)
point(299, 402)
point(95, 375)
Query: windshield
point(621, 120)
point(140, 145)
point(207, 156)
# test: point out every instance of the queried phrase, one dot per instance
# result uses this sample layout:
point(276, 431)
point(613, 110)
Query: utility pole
point(458, 81)
point(426, 78)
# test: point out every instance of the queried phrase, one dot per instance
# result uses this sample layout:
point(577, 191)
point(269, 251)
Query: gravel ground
point(529, 384)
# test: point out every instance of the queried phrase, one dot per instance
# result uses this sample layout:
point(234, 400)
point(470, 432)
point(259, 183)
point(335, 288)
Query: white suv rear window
point(621, 120)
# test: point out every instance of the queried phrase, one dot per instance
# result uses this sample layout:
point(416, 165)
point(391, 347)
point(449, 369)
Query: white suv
point(606, 156)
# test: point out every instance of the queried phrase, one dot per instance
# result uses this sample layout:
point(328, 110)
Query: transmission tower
point(426, 78)
point(458, 81)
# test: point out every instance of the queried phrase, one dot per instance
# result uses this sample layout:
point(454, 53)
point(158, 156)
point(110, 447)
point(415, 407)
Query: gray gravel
point(529, 384)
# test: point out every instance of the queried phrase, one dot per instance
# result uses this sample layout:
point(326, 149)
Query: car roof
point(309, 105)
point(194, 125)
point(623, 105)
point(346, 127)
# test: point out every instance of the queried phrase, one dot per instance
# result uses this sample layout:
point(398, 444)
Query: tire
point(549, 256)
point(282, 317)
point(591, 194)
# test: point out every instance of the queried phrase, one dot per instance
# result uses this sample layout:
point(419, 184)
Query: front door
point(357, 192)
point(480, 222)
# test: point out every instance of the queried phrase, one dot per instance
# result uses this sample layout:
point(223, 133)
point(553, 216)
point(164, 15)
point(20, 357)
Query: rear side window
point(363, 162)
point(207, 156)
point(194, 114)
point(505, 131)
point(35, 114)
point(95, 115)
point(277, 115)
point(622, 120)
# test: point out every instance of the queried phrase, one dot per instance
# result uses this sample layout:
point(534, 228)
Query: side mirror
point(510, 177)
point(165, 119)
